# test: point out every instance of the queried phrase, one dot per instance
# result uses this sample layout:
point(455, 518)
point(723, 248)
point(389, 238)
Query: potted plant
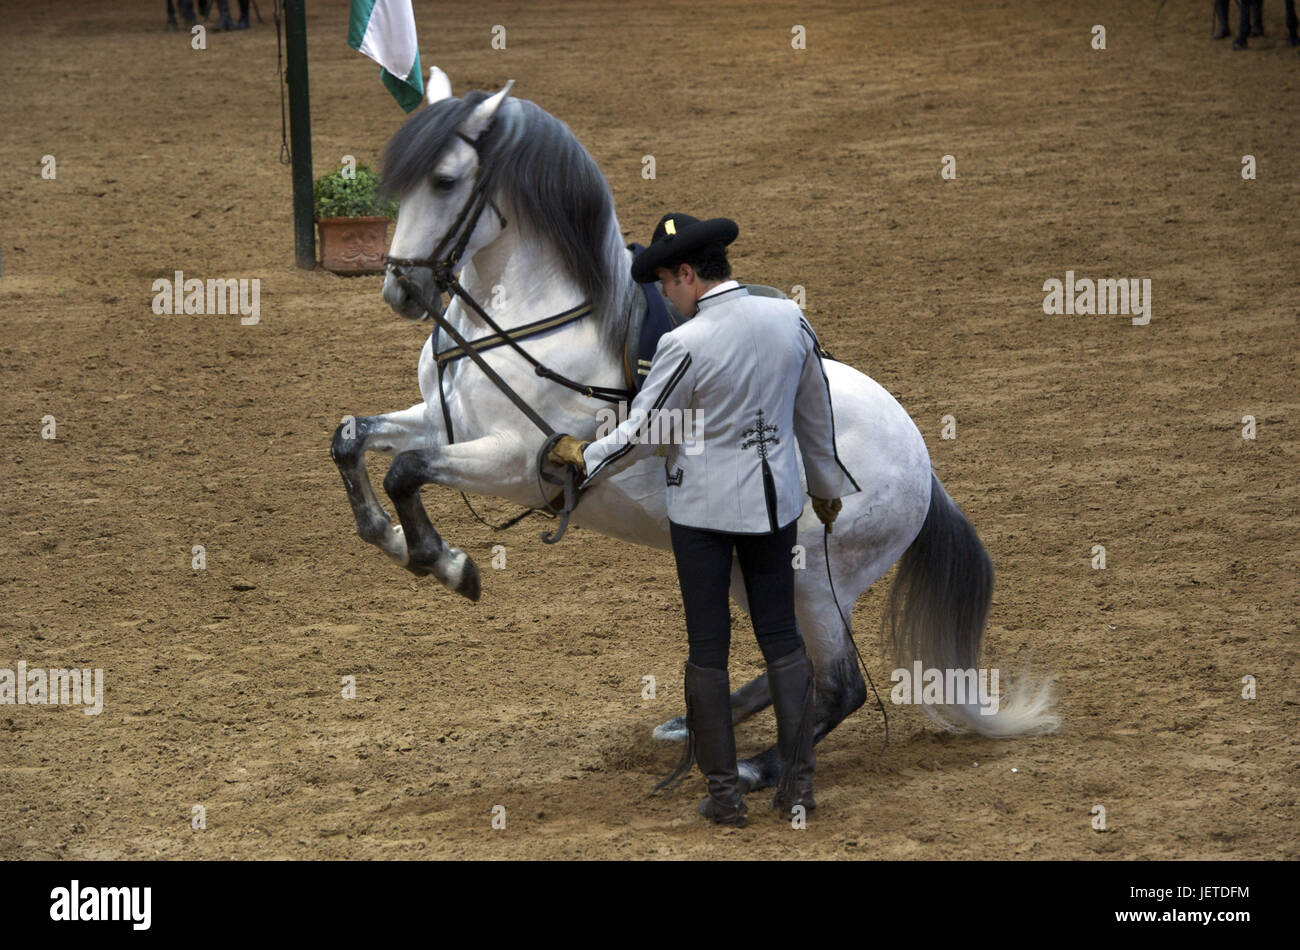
point(353, 224)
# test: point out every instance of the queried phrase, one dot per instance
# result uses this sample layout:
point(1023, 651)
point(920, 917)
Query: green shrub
point(338, 197)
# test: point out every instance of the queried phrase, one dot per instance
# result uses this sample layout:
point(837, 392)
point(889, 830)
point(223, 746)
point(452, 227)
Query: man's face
point(681, 286)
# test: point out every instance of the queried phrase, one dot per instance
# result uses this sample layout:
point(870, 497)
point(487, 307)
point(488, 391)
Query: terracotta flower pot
point(353, 245)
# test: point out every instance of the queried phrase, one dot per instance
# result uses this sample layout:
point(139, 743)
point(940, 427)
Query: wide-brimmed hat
point(676, 238)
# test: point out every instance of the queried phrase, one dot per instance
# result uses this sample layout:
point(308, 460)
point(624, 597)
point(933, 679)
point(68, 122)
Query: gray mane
point(552, 187)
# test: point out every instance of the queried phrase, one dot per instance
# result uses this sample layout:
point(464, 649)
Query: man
point(749, 370)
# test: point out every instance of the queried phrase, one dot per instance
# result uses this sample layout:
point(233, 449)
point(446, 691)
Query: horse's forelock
point(416, 147)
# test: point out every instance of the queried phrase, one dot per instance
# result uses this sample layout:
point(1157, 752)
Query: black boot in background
point(243, 15)
point(1221, 19)
point(1256, 17)
point(1292, 36)
point(224, 22)
point(1243, 27)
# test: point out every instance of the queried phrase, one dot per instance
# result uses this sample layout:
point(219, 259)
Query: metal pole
point(295, 41)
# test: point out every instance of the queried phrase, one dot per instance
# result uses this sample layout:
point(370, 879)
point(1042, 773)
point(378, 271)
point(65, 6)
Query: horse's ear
point(438, 87)
point(482, 116)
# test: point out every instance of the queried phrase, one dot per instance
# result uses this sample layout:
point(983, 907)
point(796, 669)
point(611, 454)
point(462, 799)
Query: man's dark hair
point(709, 262)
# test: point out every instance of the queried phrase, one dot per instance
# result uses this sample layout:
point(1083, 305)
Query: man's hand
point(568, 451)
point(826, 509)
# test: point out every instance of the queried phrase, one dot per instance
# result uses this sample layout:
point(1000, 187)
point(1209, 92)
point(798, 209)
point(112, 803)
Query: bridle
point(444, 262)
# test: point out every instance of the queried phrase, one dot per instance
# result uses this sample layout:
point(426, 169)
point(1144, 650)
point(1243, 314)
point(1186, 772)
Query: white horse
point(551, 243)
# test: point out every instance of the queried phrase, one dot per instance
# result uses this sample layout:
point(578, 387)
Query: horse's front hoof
point(470, 584)
point(459, 573)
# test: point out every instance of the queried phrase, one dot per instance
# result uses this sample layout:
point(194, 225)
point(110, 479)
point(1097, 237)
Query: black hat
point(676, 238)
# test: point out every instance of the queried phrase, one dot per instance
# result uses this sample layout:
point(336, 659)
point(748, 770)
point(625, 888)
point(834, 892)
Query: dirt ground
point(223, 685)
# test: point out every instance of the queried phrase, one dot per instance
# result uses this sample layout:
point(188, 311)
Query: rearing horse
point(550, 244)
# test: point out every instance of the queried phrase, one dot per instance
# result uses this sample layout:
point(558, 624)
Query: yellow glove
point(568, 451)
point(826, 509)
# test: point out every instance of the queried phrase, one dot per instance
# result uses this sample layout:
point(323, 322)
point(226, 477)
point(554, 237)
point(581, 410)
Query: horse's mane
point(554, 188)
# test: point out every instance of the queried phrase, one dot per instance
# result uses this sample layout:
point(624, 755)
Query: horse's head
point(434, 166)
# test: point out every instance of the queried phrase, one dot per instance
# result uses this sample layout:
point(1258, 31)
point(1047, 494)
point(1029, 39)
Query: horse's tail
point(936, 614)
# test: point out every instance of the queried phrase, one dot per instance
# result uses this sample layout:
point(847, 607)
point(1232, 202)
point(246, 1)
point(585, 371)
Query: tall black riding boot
point(1220, 20)
point(1243, 27)
point(1256, 17)
point(791, 681)
point(708, 716)
point(1292, 36)
point(243, 15)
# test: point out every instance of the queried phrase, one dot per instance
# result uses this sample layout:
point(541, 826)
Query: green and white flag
point(384, 30)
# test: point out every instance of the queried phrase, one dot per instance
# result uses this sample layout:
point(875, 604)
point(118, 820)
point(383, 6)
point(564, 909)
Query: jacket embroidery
point(675, 477)
point(758, 435)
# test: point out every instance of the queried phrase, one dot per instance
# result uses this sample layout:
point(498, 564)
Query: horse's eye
point(443, 183)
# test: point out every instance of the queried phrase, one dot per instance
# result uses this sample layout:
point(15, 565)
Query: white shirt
point(722, 288)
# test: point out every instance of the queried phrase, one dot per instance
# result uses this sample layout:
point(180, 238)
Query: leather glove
point(826, 509)
point(568, 451)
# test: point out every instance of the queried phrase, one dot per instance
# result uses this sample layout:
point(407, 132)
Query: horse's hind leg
point(753, 697)
point(838, 687)
point(838, 690)
point(390, 433)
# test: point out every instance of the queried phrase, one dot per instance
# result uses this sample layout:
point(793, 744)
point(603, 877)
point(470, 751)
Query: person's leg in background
point(224, 22)
point(766, 563)
point(1292, 36)
point(704, 573)
point(1221, 19)
point(1243, 26)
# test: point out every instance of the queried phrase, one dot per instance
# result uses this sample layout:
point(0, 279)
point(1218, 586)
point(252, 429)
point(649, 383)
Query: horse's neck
point(517, 281)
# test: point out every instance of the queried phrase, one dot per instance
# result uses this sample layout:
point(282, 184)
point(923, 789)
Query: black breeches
point(704, 572)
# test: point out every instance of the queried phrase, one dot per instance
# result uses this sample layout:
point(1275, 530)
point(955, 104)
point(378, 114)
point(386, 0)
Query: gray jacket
point(728, 395)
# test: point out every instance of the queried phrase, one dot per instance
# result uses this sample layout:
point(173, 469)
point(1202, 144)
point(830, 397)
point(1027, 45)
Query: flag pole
point(295, 41)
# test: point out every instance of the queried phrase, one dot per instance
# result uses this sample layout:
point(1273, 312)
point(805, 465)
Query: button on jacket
point(735, 387)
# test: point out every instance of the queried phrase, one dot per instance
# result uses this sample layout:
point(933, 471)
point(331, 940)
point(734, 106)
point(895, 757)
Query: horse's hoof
point(470, 585)
point(674, 730)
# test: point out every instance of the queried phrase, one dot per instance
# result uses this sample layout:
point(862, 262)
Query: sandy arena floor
point(222, 686)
